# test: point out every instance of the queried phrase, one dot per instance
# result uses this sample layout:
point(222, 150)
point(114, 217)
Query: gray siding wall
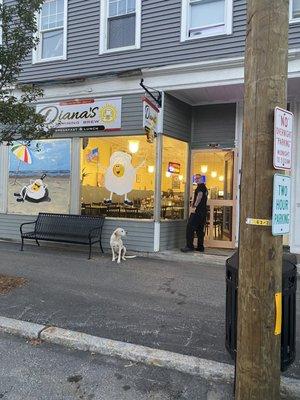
point(213, 124)
point(132, 114)
point(172, 234)
point(140, 233)
point(160, 42)
point(177, 118)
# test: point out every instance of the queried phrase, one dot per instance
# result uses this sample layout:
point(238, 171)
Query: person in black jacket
point(197, 219)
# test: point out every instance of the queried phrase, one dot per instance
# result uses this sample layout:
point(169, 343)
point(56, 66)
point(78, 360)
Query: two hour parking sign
point(281, 205)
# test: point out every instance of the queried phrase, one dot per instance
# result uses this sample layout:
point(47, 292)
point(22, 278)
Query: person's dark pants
point(196, 223)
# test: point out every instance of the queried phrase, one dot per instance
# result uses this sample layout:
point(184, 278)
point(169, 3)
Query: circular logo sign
point(108, 113)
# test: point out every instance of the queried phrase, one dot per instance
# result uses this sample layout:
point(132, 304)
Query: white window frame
point(185, 18)
point(103, 29)
point(293, 20)
point(37, 53)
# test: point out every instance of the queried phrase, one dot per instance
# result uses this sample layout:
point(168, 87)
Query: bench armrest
point(26, 223)
point(95, 231)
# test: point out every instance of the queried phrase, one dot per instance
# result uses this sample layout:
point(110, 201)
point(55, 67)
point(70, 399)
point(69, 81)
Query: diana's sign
point(83, 114)
point(150, 118)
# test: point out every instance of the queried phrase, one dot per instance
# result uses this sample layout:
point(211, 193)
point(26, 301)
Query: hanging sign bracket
point(158, 95)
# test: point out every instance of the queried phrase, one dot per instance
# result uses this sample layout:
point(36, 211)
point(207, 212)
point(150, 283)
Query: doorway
point(217, 169)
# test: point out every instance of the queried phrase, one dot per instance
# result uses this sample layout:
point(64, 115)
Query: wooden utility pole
point(260, 253)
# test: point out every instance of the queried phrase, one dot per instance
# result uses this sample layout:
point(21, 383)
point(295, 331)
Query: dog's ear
point(117, 232)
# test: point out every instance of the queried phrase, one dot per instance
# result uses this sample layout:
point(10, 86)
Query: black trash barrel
point(289, 287)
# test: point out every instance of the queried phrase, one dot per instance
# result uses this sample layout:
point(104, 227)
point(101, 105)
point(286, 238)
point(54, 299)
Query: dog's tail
point(130, 256)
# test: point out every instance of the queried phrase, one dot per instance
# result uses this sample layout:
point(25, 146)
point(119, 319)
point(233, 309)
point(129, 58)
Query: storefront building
point(151, 201)
point(141, 186)
point(144, 187)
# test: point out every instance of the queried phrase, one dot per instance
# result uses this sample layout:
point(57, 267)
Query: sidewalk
point(178, 306)
point(216, 257)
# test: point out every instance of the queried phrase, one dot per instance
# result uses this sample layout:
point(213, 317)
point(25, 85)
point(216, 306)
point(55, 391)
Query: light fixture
point(221, 178)
point(133, 146)
point(168, 174)
point(204, 169)
point(180, 177)
point(214, 174)
point(150, 169)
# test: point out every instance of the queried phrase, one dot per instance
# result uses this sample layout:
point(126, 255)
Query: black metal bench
point(67, 228)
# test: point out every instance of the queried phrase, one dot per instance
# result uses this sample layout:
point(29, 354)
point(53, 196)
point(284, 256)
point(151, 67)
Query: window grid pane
point(52, 15)
point(121, 31)
point(52, 44)
point(121, 7)
point(207, 13)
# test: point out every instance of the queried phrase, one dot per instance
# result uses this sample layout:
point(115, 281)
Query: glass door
point(217, 170)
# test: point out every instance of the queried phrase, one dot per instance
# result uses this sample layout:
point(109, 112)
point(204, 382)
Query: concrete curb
point(20, 328)
point(195, 366)
point(205, 369)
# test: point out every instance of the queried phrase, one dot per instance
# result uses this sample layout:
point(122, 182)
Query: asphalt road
point(168, 305)
point(48, 372)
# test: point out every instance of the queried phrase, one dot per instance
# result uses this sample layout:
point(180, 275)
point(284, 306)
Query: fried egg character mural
point(35, 192)
point(120, 176)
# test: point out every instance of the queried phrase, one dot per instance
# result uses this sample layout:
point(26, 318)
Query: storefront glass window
point(216, 167)
point(118, 177)
point(174, 171)
point(39, 177)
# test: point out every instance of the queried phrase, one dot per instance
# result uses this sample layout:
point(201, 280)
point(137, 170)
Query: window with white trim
point(52, 26)
point(202, 18)
point(295, 10)
point(120, 25)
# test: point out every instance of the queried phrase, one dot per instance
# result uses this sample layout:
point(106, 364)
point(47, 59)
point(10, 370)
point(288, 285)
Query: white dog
point(117, 247)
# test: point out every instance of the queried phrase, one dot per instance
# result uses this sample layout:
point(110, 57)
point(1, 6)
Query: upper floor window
point(295, 10)
point(201, 18)
point(52, 31)
point(120, 25)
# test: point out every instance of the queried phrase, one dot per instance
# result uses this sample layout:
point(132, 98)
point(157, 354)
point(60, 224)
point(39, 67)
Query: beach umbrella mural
point(22, 153)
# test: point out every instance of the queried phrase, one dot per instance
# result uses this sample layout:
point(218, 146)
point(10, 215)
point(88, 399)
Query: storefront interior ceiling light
point(180, 177)
point(204, 169)
point(221, 178)
point(150, 169)
point(168, 174)
point(133, 146)
point(214, 174)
